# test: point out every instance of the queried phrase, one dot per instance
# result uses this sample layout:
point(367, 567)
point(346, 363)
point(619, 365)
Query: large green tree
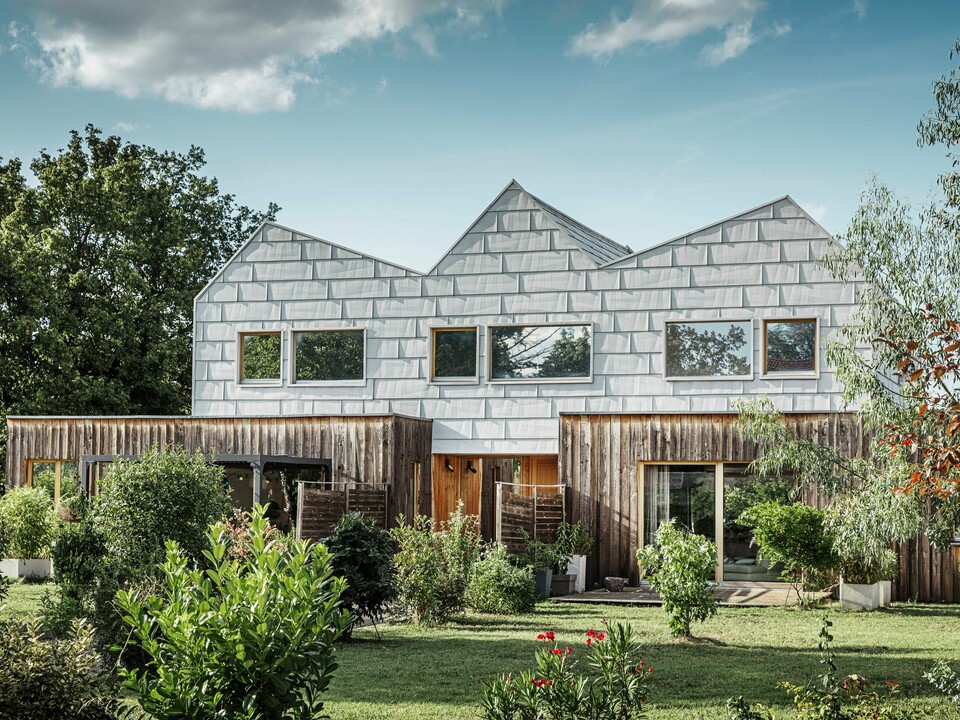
point(102, 250)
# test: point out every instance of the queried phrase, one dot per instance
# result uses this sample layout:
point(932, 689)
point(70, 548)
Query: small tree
point(681, 567)
point(363, 556)
point(27, 520)
point(251, 638)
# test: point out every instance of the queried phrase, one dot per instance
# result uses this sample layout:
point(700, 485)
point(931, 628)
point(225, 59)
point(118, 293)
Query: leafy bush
point(251, 638)
point(162, 496)
point(432, 567)
point(51, 679)
point(78, 557)
point(681, 568)
point(795, 535)
point(615, 689)
point(363, 556)
point(571, 540)
point(945, 679)
point(538, 555)
point(27, 517)
point(497, 586)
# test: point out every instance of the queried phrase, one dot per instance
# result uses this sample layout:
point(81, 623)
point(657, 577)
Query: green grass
point(438, 673)
point(23, 598)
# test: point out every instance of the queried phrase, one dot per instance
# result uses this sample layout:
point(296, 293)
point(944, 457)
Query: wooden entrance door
point(456, 478)
point(539, 470)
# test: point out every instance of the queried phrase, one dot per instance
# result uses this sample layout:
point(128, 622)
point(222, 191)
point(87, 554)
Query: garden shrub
point(497, 586)
point(537, 555)
point(797, 536)
point(28, 521)
point(165, 495)
point(250, 638)
point(78, 557)
point(572, 539)
point(40, 678)
point(432, 567)
point(616, 687)
point(363, 556)
point(945, 679)
point(681, 567)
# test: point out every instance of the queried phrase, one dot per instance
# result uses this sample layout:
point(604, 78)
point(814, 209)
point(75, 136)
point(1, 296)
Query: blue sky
point(388, 126)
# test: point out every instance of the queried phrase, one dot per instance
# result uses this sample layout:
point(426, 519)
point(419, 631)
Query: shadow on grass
point(451, 668)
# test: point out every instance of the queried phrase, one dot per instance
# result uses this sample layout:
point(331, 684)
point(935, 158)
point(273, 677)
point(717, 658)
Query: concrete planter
point(562, 585)
point(543, 578)
point(856, 596)
point(29, 569)
point(886, 593)
point(578, 568)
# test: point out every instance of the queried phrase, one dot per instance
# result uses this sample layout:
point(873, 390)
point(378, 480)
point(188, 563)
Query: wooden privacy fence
point(319, 507)
point(536, 510)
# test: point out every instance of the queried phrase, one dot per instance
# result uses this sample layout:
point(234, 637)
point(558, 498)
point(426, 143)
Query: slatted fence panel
point(319, 509)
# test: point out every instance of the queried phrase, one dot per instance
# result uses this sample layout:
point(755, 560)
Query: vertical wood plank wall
point(376, 449)
point(598, 461)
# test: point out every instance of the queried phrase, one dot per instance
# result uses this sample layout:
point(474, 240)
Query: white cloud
point(125, 127)
point(243, 55)
point(818, 211)
point(860, 9)
point(661, 21)
point(382, 86)
point(738, 38)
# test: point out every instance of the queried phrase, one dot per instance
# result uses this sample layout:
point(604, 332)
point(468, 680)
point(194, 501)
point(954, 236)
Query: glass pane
point(742, 491)
point(329, 355)
point(45, 476)
point(791, 346)
point(540, 352)
point(69, 478)
point(261, 357)
point(454, 353)
point(708, 349)
point(684, 493)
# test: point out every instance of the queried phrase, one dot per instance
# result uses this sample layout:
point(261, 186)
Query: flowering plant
point(616, 687)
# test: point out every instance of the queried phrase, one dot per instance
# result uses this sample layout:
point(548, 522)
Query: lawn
point(23, 598)
point(438, 673)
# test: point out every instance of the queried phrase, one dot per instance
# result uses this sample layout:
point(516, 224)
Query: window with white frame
point(790, 346)
point(260, 356)
point(454, 354)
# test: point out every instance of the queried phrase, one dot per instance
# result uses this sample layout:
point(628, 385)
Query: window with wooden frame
point(260, 356)
point(329, 356)
point(790, 346)
point(455, 356)
point(708, 349)
point(60, 478)
point(540, 353)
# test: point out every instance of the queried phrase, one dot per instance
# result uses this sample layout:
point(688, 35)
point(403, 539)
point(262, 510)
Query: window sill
point(549, 381)
point(790, 376)
point(328, 383)
point(260, 383)
point(703, 378)
point(455, 381)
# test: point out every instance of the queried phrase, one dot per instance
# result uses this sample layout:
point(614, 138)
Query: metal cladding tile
point(579, 302)
point(778, 273)
point(258, 407)
point(453, 408)
point(336, 269)
point(628, 322)
point(312, 310)
point(534, 303)
point(449, 429)
point(499, 283)
point(210, 391)
point(469, 264)
point(710, 404)
point(221, 292)
point(761, 296)
point(472, 242)
point(636, 299)
point(666, 403)
point(468, 305)
point(709, 387)
point(393, 368)
point(217, 331)
point(710, 235)
point(314, 250)
point(839, 315)
point(786, 209)
point(635, 404)
point(242, 311)
point(531, 428)
point(272, 233)
point(813, 403)
point(605, 279)
point(763, 213)
point(297, 290)
point(360, 288)
point(357, 309)
point(487, 223)
point(552, 282)
point(816, 294)
point(405, 307)
point(386, 270)
point(517, 242)
point(251, 291)
point(736, 231)
point(376, 407)
point(435, 286)
point(413, 347)
point(795, 251)
point(548, 260)
point(510, 221)
point(221, 371)
point(397, 327)
point(609, 404)
point(352, 407)
point(610, 343)
point(267, 272)
point(581, 261)
point(789, 229)
point(514, 199)
point(228, 350)
point(208, 350)
point(690, 254)
point(406, 287)
point(647, 342)
point(270, 252)
point(488, 429)
point(339, 253)
point(237, 272)
point(744, 253)
point(625, 364)
point(656, 277)
point(815, 273)
point(569, 405)
point(213, 408)
point(725, 275)
point(378, 347)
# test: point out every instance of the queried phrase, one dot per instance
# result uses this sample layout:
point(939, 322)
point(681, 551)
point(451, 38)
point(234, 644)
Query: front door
point(456, 478)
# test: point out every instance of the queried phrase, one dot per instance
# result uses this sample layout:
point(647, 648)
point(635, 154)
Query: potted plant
point(26, 533)
point(541, 558)
point(573, 544)
point(865, 577)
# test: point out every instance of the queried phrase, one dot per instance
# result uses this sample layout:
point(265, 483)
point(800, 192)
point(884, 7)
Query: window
point(328, 356)
point(709, 349)
point(540, 352)
point(790, 346)
point(260, 354)
point(60, 478)
point(454, 354)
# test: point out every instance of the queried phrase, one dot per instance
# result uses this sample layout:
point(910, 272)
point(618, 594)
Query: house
point(537, 358)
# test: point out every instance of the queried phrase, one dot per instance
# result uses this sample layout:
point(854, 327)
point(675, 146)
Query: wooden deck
point(758, 594)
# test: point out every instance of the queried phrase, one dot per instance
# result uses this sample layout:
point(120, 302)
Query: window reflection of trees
point(791, 346)
point(707, 349)
point(330, 355)
point(540, 352)
point(455, 353)
point(261, 356)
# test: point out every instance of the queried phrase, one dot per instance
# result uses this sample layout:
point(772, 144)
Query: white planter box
point(578, 567)
point(854, 596)
point(886, 592)
point(32, 569)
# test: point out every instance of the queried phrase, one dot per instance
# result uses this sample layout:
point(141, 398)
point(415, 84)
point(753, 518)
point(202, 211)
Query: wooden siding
point(599, 456)
point(376, 450)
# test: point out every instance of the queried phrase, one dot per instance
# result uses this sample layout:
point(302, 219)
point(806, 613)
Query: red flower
point(547, 636)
